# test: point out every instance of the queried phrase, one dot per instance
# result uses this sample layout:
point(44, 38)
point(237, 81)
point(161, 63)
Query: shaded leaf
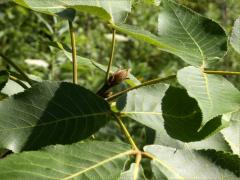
point(214, 94)
point(195, 39)
point(182, 117)
point(110, 10)
point(91, 160)
point(235, 37)
point(50, 113)
point(185, 164)
point(4, 75)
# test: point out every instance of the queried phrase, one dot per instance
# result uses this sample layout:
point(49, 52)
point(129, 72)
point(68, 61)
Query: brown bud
point(118, 77)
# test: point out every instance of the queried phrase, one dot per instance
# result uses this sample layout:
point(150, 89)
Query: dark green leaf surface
point(4, 75)
point(182, 117)
point(110, 10)
point(215, 94)
point(197, 40)
point(88, 161)
point(185, 164)
point(50, 113)
point(235, 37)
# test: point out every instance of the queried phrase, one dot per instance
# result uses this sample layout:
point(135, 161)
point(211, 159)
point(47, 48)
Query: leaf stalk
point(74, 52)
point(18, 69)
point(221, 72)
point(112, 55)
point(154, 81)
point(125, 131)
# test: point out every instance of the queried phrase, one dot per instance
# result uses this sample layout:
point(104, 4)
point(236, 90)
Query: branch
point(112, 55)
point(18, 81)
point(11, 63)
point(74, 52)
point(154, 81)
point(137, 161)
point(125, 131)
point(222, 72)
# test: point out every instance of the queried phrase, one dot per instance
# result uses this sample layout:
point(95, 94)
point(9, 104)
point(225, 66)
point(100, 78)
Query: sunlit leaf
point(110, 10)
point(235, 37)
point(185, 164)
point(214, 94)
point(91, 160)
point(197, 40)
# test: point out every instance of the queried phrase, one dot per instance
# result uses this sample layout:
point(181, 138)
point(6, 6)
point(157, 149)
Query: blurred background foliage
point(24, 37)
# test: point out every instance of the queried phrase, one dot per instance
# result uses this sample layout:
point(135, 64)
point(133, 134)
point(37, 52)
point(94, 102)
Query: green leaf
point(12, 88)
point(235, 37)
point(144, 105)
point(91, 160)
point(195, 39)
point(215, 141)
point(50, 113)
point(134, 169)
point(89, 63)
point(4, 75)
point(109, 10)
point(214, 94)
point(182, 117)
point(185, 164)
point(225, 160)
point(232, 136)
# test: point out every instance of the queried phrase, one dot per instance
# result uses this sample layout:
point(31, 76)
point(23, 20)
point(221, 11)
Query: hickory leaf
point(90, 160)
point(50, 113)
point(109, 10)
point(4, 75)
point(173, 163)
point(215, 94)
point(235, 37)
point(197, 40)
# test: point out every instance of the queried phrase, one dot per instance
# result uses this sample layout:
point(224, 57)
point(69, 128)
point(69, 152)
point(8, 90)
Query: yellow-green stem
point(74, 52)
point(18, 82)
point(154, 81)
point(221, 72)
point(125, 131)
point(112, 55)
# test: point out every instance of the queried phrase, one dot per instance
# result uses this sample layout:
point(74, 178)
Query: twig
point(112, 55)
point(125, 131)
point(18, 81)
point(222, 72)
point(10, 62)
point(74, 52)
point(137, 161)
point(154, 81)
